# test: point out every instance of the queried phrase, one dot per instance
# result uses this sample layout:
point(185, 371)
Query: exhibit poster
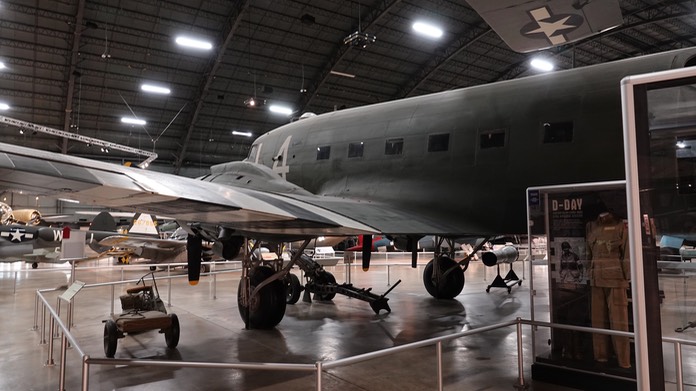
point(589, 277)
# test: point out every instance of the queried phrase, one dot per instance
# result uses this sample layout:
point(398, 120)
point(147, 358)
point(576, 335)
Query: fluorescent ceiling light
point(2, 65)
point(155, 89)
point(238, 133)
point(427, 29)
point(337, 73)
point(681, 144)
point(69, 200)
point(541, 64)
point(280, 109)
point(4, 106)
point(133, 121)
point(194, 43)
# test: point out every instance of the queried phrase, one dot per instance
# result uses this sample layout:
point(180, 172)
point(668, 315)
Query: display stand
point(584, 228)
point(506, 282)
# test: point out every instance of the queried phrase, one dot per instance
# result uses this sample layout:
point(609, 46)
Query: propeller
point(366, 251)
point(194, 247)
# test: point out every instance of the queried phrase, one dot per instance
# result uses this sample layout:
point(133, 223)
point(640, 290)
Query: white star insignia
point(16, 235)
point(551, 28)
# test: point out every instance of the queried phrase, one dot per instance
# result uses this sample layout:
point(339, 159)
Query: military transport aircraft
point(453, 164)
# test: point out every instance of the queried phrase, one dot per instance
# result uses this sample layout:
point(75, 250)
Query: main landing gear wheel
point(293, 288)
point(447, 287)
point(110, 338)
point(267, 308)
point(325, 277)
point(171, 335)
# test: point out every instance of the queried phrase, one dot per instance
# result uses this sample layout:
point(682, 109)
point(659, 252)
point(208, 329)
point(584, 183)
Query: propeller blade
point(194, 247)
point(366, 251)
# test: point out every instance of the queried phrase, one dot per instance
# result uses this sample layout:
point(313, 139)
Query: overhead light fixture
point(193, 43)
point(238, 133)
point(69, 200)
point(681, 144)
point(427, 29)
point(254, 102)
point(542, 64)
point(21, 131)
point(133, 121)
point(337, 73)
point(105, 150)
point(155, 89)
point(359, 39)
point(2, 65)
point(284, 110)
point(4, 106)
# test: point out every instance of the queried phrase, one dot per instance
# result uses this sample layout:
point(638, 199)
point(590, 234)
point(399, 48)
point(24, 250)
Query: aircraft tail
point(103, 222)
point(144, 224)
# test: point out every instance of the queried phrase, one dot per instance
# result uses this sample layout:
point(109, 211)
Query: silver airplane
point(454, 164)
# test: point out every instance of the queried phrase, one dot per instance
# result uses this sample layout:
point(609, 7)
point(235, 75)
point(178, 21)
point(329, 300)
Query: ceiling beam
point(371, 19)
point(233, 23)
point(436, 62)
point(75, 53)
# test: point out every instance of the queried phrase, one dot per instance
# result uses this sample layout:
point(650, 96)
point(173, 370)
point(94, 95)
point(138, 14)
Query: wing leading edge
point(186, 199)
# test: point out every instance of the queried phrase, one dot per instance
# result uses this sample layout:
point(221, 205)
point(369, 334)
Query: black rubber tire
point(110, 338)
point(450, 286)
point(267, 309)
point(293, 289)
point(171, 335)
point(326, 278)
point(34, 265)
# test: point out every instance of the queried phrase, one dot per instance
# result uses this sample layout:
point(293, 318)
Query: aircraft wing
point(186, 199)
point(141, 242)
point(528, 25)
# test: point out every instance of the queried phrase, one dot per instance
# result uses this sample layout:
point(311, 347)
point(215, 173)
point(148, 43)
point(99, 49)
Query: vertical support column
point(438, 347)
point(85, 373)
point(63, 349)
point(319, 373)
point(679, 366)
point(520, 385)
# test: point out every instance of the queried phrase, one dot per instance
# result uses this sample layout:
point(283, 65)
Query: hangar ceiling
point(78, 65)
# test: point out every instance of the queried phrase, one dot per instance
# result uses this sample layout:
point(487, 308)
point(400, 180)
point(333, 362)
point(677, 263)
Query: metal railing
point(319, 367)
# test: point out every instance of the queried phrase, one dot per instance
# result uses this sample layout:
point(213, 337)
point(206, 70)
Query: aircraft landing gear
point(34, 265)
point(440, 281)
point(266, 308)
point(293, 288)
point(443, 277)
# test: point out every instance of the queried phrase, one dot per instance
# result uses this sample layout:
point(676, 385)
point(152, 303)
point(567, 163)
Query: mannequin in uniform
point(607, 240)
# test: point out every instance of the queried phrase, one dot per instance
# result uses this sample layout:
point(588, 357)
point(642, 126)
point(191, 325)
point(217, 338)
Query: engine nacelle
point(507, 254)
point(27, 216)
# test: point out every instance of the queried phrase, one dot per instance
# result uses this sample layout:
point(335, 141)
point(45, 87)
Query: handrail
point(320, 366)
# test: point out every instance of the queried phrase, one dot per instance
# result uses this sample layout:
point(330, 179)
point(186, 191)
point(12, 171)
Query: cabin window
point(324, 152)
point(356, 149)
point(558, 132)
point(494, 139)
point(394, 146)
point(438, 142)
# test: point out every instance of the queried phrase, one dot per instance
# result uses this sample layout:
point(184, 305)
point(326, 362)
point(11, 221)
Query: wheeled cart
point(143, 310)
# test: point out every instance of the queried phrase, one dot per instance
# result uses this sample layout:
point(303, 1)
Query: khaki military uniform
point(607, 240)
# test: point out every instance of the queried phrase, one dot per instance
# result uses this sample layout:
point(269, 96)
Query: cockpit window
point(252, 153)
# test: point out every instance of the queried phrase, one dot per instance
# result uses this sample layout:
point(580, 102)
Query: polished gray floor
point(212, 331)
